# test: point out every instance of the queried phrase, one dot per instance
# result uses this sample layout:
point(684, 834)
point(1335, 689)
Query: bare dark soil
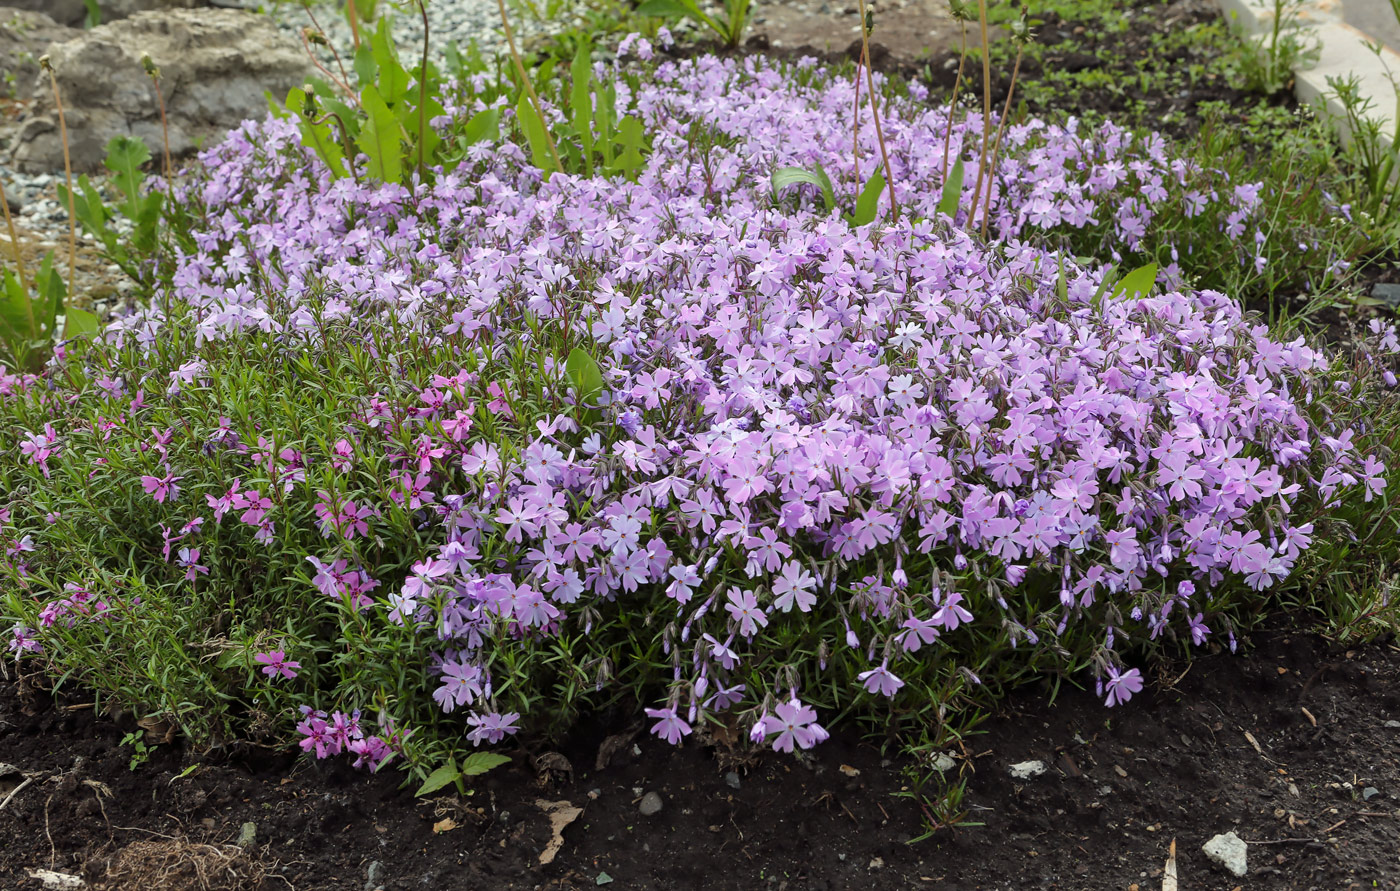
point(1227, 743)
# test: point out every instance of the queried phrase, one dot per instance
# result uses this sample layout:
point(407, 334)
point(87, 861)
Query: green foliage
point(29, 317)
point(729, 29)
point(474, 764)
point(952, 191)
point(388, 118)
point(867, 202)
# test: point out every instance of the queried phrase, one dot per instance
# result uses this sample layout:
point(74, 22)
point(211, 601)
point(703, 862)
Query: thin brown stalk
point(68, 176)
point(996, 143)
point(953, 102)
point(529, 87)
point(875, 112)
point(353, 15)
point(330, 46)
point(986, 109)
point(154, 74)
point(14, 239)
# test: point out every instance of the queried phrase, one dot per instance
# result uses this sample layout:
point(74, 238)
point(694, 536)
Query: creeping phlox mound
point(822, 464)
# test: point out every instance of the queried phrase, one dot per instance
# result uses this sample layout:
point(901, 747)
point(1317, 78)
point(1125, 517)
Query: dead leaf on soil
point(157, 730)
point(446, 824)
point(850, 771)
point(553, 769)
point(561, 814)
point(612, 745)
point(1169, 873)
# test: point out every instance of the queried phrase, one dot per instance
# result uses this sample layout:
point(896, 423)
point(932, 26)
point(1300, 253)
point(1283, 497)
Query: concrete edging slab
point(1343, 52)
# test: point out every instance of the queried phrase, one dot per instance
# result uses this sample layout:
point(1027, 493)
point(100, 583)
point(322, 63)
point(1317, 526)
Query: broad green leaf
point(412, 117)
point(952, 191)
point(319, 137)
point(479, 762)
point(437, 779)
point(788, 176)
point(632, 139)
point(393, 78)
point(581, 102)
point(584, 374)
point(1108, 278)
point(17, 323)
point(125, 155)
point(868, 204)
point(607, 99)
point(381, 138)
point(483, 125)
point(1137, 283)
point(534, 134)
point(665, 9)
point(79, 323)
point(48, 281)
point(366, 68)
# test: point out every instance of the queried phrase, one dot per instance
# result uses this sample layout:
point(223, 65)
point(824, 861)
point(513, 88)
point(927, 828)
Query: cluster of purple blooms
point(887, 427)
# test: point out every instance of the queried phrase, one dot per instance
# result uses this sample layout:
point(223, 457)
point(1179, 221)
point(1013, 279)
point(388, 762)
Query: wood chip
point(446, 824)
point(850, 771)
point(1253, 742)
point(1169, 871)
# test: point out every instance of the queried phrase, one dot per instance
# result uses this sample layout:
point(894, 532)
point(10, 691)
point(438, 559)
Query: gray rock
point(23, 38)
point(215, 66)
point(1027, 770)
point(731, 779)
point(1229, 852)
point(373, 875)
point(651, 804)
point(1393, 725)
point(248, 836)
point(1387, 292)
point(1369, 792)
point(74, 12)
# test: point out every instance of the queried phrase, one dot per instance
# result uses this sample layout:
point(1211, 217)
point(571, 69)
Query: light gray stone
point(215, 66)
point(1229, 852)
point(74, 12)
point(1027, 770)
point(651, 804)
point(248, 836)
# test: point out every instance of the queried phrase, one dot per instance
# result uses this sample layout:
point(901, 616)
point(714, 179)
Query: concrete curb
point(1343, 53)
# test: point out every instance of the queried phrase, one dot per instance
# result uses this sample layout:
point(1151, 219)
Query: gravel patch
point(449, 21)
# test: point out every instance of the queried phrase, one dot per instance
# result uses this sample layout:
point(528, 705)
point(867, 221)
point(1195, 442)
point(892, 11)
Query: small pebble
point(1393, 725)
point(651, 804)
point(373, 875)
point(731, 779)
point(248, 835)
point(1369, 792)
point(1027, 770)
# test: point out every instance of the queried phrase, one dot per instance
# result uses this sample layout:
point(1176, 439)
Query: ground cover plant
point(399, 469)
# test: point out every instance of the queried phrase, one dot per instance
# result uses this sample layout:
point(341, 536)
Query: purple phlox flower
point(461, 685)
point(275, 663)
point(669, 726)
point(1121, 686)
point(794, 723)
point(880, 680)
point(491, 727)
point(743, 608)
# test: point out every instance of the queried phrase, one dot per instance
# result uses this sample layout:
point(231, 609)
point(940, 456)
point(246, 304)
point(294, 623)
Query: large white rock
point(215, 65)
point(1229, 852)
